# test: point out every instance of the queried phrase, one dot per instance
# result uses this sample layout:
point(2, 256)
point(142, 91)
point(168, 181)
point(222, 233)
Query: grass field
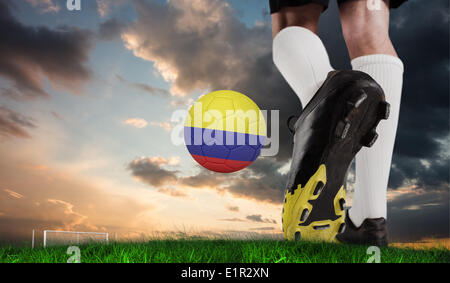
point(221, 251)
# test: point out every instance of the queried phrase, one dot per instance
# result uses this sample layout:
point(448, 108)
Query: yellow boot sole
point(297, 209)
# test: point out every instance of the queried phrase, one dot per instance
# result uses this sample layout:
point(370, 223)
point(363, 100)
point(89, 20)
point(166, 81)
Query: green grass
point(220, 251)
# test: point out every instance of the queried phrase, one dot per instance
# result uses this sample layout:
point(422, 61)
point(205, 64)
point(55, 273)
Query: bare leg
point(306, 16)
point(366, 31)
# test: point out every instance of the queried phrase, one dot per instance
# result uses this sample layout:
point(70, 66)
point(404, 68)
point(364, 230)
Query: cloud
point(45, 6)
point(73, 219)
point(105, 7)
point(29, 55)
point(256, 182)
point(13, 194)
point(260, 181)
point(111, 29)
point(167, 126)
point(151, 171)
point(136, 122)
point(13, 124)
point(144, 87)
point(258, 218)
point(174, 193)
point(432, 174)
point(251, 218)
point(232, 208)
point(255, 188)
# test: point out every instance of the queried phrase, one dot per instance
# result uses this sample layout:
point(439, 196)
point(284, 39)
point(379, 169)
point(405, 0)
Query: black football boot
point(339, 120)
point(371, 232)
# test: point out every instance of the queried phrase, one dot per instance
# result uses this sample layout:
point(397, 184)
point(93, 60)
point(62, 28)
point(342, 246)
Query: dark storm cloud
point(144, 87)
point(13, 124)
point(28, 55)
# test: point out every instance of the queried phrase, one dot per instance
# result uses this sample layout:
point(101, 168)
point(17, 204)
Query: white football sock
point(374, 164)
point(302, 59)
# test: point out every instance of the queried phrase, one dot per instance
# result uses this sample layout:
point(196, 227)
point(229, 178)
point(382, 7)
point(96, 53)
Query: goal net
point(58, 238)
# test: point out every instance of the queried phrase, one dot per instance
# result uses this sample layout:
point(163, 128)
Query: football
point(224, 131)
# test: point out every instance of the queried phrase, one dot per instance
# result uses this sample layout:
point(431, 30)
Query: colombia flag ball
point(224, 131)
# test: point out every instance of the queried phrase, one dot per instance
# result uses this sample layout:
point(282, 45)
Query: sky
point(86, 99)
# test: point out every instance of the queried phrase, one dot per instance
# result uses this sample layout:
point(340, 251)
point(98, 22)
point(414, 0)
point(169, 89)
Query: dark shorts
point(276, 5)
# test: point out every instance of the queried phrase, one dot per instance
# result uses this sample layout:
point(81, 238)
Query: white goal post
point(54, 237)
